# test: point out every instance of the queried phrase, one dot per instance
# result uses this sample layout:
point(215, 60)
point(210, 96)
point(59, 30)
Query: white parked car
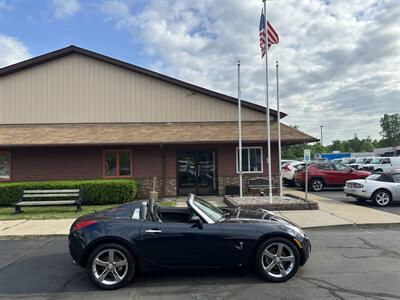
point(288, 170)
point(338, 160)
point(366, 162)
point(286, 161)
point(381, 188)
point(357, 162)
point(382, 164)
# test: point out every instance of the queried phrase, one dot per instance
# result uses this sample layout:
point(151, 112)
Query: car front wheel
point(317, 185)
point(277, 259)
point(382, 198)
point(111, 266)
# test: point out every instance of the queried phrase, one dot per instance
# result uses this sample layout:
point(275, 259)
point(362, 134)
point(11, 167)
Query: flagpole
point(240, 134)
point(279, 130)
point(267, 103)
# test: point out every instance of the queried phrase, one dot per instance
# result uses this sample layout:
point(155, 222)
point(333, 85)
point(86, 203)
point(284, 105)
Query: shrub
point(102, 191)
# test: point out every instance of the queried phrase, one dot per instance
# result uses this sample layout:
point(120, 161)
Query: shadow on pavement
point(54, 273)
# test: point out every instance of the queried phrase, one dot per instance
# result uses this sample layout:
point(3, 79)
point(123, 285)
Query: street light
point(320, 141)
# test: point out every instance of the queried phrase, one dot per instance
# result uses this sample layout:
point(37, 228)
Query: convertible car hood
point(238, 215)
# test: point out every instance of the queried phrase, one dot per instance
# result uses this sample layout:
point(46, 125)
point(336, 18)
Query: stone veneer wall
point(146, 185)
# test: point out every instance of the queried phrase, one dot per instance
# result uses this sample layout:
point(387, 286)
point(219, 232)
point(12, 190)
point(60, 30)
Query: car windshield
point(352, 161)
point(360, 160)
point(374, 177)
point(368, 161)
point(213, 212)
point(341, 167)
point(376, 161)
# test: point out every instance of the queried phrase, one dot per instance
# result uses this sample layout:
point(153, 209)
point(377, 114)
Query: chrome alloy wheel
point(382, 198)
point(317, 185)
point(110, 266)
point(278, 260)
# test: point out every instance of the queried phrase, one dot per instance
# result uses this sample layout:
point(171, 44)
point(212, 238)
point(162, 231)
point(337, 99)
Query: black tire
point(382, 198)
point(119, 251)
point(378, 171)
point(316, 185)
point(261, 260)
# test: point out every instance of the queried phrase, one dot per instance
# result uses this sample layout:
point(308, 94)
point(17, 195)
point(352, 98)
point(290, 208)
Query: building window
point(252, 160)
point(5, 166)
point(117, 163)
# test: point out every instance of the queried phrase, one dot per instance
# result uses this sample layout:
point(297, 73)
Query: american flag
point(273, 37)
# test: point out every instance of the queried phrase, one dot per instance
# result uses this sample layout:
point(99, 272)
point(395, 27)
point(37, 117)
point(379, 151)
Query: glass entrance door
point(196, 172)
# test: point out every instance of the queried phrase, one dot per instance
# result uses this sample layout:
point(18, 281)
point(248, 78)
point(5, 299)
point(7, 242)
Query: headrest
point(151, 205)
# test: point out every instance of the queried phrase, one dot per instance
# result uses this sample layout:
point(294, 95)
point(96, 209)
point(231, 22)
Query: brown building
point(76, 114)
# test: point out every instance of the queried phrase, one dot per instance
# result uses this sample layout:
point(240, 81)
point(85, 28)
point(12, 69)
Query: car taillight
point(286, 167)
point(83, 224)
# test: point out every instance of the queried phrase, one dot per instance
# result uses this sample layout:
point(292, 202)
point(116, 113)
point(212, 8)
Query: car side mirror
point(196, 221)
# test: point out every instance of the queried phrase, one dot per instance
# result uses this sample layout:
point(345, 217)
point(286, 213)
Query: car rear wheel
point(382, 198)
point(277, 259)
point(317, 185)
point(111, 266)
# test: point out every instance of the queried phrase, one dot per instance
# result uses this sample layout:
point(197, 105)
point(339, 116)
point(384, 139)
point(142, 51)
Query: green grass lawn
point(49, 212)
point(167, 203)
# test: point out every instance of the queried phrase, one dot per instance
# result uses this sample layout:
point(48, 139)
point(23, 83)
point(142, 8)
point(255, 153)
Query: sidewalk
point(331, 213)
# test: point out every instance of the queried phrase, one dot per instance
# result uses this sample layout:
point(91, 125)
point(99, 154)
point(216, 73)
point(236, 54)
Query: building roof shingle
point(144, 133)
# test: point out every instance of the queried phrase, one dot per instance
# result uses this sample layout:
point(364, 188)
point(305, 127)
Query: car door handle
point(153, 231)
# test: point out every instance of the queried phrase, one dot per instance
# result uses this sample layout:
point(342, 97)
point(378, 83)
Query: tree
point(390, 129)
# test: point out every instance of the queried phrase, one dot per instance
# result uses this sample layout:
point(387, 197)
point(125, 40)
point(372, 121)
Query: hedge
point(102, 191)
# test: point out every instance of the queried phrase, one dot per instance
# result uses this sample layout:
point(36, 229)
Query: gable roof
point(77, 50)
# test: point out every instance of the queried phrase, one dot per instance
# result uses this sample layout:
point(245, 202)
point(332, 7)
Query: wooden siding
point(54, 163)
point(79, 89)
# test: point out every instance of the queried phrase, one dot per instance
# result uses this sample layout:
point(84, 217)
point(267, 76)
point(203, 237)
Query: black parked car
point(112, 245)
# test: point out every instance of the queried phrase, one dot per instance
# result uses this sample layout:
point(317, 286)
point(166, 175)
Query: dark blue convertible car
point(114, 244)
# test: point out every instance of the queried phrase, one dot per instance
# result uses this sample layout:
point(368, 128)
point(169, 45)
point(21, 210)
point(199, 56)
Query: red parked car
point(325, 174)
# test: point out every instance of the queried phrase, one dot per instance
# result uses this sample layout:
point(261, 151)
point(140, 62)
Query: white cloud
point(4, 6)
point(12, 51)
point(63, 9)
point(339, 61)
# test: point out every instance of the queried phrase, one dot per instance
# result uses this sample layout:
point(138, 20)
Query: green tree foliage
point(390, 130)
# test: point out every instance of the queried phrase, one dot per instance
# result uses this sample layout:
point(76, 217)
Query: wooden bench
point(258, 183)
point(49, 198)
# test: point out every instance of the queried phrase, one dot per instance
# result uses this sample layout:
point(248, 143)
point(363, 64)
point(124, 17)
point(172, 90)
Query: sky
point(339, 60)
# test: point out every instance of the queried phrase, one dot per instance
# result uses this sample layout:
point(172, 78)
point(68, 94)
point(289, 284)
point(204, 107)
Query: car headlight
point(358, 185)
point(297, 230)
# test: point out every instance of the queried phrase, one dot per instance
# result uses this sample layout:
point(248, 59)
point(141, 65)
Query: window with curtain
point(117, 163)
point(5, 166)
point(252, 160)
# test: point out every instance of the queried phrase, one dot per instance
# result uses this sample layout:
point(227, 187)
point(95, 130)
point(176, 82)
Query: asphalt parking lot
point(338, 195)
point(351, 263)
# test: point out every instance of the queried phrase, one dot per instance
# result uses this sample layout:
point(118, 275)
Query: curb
point(31, 236)
point(354, 226)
